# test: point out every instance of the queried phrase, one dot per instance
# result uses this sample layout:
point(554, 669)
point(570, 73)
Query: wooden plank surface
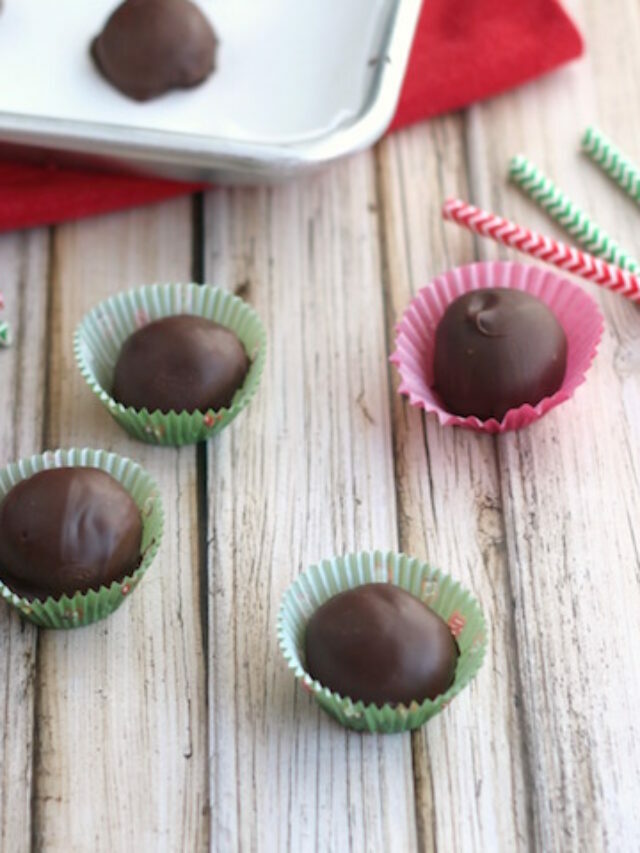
point(570, 492)
point(175, 725)
point(23, 261)
point(121, 739)
point(450, 513)
point(306, 473)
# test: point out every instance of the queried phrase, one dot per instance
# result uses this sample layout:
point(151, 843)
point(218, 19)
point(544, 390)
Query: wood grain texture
point(570, 490)
point(175, 725)
point(470, 761)
point(23, 261)
point(122, 747)
point(305, 473)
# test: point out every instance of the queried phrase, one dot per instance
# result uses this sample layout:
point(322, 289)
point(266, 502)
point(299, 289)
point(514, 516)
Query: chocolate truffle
point(180, 363)
point(67, 530)
point(377, 643)
point(148, 47)
point(495, 349)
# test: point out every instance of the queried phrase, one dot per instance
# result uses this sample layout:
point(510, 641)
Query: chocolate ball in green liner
point(379, 644)
point(180, 363)
point(67, 530)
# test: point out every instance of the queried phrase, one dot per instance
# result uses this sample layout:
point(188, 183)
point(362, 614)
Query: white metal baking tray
point(300, 82)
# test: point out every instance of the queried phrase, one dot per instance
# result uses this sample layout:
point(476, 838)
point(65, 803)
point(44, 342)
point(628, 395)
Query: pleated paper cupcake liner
point(575, 310)
point(438, 591)
point(101, 334)
point(85, 608)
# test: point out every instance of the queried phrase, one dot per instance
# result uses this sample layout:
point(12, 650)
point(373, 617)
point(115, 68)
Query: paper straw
point(6, 336)
point(609, 157)
point(561, 208)
point(544, 248)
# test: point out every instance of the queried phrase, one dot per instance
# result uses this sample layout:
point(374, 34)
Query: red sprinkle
point(456, 623)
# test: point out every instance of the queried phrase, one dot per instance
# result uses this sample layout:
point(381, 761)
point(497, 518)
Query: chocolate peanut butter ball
point(148, 47)
point(180, 363)
point(379, 644)
point(496, 349)
point(67, 530)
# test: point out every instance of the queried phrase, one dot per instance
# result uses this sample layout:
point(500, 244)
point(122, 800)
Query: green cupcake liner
point(440, 592)
point(84, 608)
point(101, 334)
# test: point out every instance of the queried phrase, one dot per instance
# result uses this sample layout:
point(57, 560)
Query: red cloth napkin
point(467, 50)
point(464, 50)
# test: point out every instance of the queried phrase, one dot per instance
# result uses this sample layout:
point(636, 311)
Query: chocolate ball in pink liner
point(496, 349)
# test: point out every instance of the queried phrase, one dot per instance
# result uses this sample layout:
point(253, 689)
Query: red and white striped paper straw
point(545, 248)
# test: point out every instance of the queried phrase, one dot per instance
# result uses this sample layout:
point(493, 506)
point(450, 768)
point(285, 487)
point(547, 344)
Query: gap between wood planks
point(202, 484)
point(46, 397)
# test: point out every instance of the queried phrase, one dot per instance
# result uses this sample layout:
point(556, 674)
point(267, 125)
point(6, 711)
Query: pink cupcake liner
point(576, 311)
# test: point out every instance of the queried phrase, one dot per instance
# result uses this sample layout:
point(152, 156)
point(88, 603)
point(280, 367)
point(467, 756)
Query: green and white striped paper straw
point(609, 157)
point(561, 208)
point(6, 335)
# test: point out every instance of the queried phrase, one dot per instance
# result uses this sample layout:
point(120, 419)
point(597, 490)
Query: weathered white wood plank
point(23, 261)
point(305, 473)
point(470, 773)
point(122, 749)
point(570, 482)
point(543, 529)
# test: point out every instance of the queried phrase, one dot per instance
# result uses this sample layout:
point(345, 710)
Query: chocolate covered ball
point(496, 349)
point(148, 47)
point(180, 363)
point(377, 643)
point(67, 530)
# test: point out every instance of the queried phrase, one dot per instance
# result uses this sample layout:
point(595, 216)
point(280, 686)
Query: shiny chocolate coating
point(495, 349)
point(148, 47)
point(67, 530)
point(180, 363)
point(377, 643)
